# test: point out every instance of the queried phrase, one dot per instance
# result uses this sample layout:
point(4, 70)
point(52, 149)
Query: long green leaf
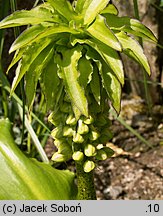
point(35, 16)
point(64, 8)
point(109, 55)
point(86, 69)
point(112, 86)
point(22, 178)
point(112, 58)
point(31, 37)
point(100, 31)
point(133, 50)
point(90, 8)
point(34, 72)
point(70, 75)
point(95, 84)
point(17, 56)
point(50, 84)
point(26, 37)
point(27, 59)
point(129, 25)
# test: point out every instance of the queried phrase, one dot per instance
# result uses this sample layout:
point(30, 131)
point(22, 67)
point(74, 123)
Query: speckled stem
point(86, 188)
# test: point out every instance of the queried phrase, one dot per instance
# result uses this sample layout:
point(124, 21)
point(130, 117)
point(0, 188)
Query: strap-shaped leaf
point(112, 58)
point(86, 69)
point(50, 82)
point(90, 8)
point(34, 72)
point(100, 31)
point(95, 84)
point(26, 37)
point(133, 50)
point(27, 59)
point(29, 36)
point(17, 56)
point(64, 8)
point(112, 86)
point(129, 25)
point(22, 178)
point(109, 55)
point(70, 75)
point(35, 16)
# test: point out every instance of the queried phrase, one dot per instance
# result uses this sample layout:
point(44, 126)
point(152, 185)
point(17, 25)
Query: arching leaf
point(64, 8)
point(50, 84)
point(90, 8)
point(133, 50)
point(35, 16)
point(26, 37)
point(129, 25)
point(27, 59)
point(100, 31)
point(22, 178)
point(34, 72)
point(70, 75)
point(112, 86)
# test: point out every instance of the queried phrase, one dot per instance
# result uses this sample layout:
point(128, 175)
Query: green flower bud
point(77, 138)
point(99, 146)
point(57, 132)
point(57, 157)
point(78, 156)
point(94, 134)
point(68, 131)
point(108, 151)
point(89, 120)
point(71, 120)
point(101, 155)
point(82, 128)
point(57, 142)
point(88, 166)
point(89, 150)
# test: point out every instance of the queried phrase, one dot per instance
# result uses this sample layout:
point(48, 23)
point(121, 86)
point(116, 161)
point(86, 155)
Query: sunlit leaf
point(64, 8)
point(129, 25)
point(27, 59)
point(111, 9)
point(17, 56)
point(34, 72)
point(100, 31)
point(112, 86)
point(90, 8)
point(26, 37)
point(109, 55)
point(70, 75)
point(22, 178)
point(50, 83)
point(35, 16)
point(133, 50)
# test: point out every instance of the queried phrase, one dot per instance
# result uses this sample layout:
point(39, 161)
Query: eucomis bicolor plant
point(73, 50)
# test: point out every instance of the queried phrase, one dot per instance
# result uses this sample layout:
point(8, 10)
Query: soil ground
point(138, 174)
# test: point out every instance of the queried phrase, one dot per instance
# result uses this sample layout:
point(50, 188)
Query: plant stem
point(86, 188)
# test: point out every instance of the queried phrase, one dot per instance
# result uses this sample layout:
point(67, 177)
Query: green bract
point(73, 51)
